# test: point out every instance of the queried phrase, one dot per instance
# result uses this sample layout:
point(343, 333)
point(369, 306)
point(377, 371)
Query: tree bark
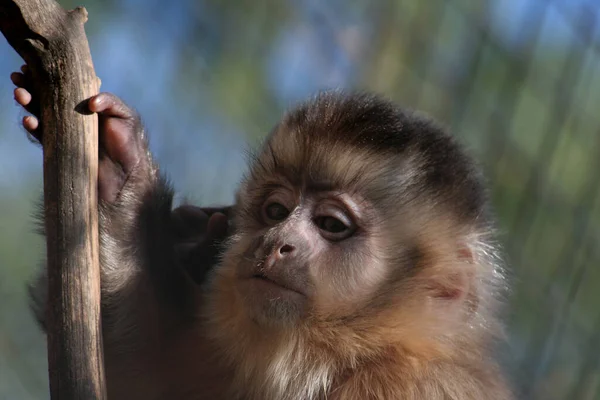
point(53, 43)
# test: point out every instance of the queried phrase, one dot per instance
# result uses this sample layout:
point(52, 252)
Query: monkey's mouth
point(270, 280)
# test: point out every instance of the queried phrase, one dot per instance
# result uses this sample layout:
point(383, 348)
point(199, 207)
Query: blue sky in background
point(300, 63)
point(508, 17)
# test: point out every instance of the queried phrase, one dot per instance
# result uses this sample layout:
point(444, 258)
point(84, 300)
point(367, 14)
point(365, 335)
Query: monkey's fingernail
point(217, 225)
point(96, 103)
point(30, 123)
point(22, 96)
point(15, 77)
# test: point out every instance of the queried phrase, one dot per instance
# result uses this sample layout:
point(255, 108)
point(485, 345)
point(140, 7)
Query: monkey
point(358, 261)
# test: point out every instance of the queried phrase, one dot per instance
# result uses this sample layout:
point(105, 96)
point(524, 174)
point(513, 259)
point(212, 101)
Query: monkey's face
point(302, 251)
point(309, 240)
point(349, 206)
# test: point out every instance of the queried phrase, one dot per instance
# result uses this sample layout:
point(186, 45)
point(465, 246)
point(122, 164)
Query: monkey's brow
point(321, 186)
point(300, 179)
point(311, 186)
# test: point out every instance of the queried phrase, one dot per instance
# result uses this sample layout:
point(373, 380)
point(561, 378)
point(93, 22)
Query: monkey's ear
point(455, 284)
point(453, 287)
point(465, 254)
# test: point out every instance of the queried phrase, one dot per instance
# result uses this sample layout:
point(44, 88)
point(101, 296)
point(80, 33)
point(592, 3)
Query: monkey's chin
point(270, 304)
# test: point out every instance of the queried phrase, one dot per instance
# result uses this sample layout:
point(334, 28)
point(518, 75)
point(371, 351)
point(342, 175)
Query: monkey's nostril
point(286, 248)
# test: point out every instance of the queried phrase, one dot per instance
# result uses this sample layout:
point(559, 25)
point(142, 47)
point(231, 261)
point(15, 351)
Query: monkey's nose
point(286, 249)
point(279, 253)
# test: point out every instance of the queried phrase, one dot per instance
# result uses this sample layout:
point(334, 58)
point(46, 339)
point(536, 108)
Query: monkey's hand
point(122, 147)
point(122, 154)
point(199, 233)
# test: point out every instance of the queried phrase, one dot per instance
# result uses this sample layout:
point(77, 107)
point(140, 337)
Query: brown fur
point(428, 332)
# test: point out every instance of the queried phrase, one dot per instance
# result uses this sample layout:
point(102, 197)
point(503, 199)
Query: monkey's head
point(357, 214)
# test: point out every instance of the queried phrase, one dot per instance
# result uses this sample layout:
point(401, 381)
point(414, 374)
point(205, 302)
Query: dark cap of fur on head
point(374, 128)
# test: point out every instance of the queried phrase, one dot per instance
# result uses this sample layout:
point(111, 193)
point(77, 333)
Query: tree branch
point(53, 43)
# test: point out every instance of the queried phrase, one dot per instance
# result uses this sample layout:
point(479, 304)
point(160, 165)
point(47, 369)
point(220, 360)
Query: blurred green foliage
point(517, 80)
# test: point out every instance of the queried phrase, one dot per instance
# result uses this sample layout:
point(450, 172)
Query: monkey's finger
point(31, 124)
point(23, 79)
point(121, 142)
point(189, 221)
point(111, 179)
point(120, 129)
point(192, 215)
point(223, 210)
point(188, 255)
point(217, 227)
point(199, 258)
point(18, 79)
point(109, 105)
point(22, 96)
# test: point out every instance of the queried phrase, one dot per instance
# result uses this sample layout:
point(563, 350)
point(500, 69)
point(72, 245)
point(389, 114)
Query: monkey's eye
point(333, 228)
point(331, 224)
point(276, 212)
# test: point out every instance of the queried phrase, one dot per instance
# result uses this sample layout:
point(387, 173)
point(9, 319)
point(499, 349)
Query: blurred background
point(517, 80)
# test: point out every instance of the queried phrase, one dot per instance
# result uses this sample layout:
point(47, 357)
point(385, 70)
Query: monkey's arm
point(148, 252)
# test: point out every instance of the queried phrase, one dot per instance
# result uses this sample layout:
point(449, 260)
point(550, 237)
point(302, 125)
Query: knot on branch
point(79, 14)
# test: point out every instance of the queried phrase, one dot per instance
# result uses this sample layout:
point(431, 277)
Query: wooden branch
point(54, 46)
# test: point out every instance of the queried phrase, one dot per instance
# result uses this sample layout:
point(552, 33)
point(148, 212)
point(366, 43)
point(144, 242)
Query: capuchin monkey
point(358, 262)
